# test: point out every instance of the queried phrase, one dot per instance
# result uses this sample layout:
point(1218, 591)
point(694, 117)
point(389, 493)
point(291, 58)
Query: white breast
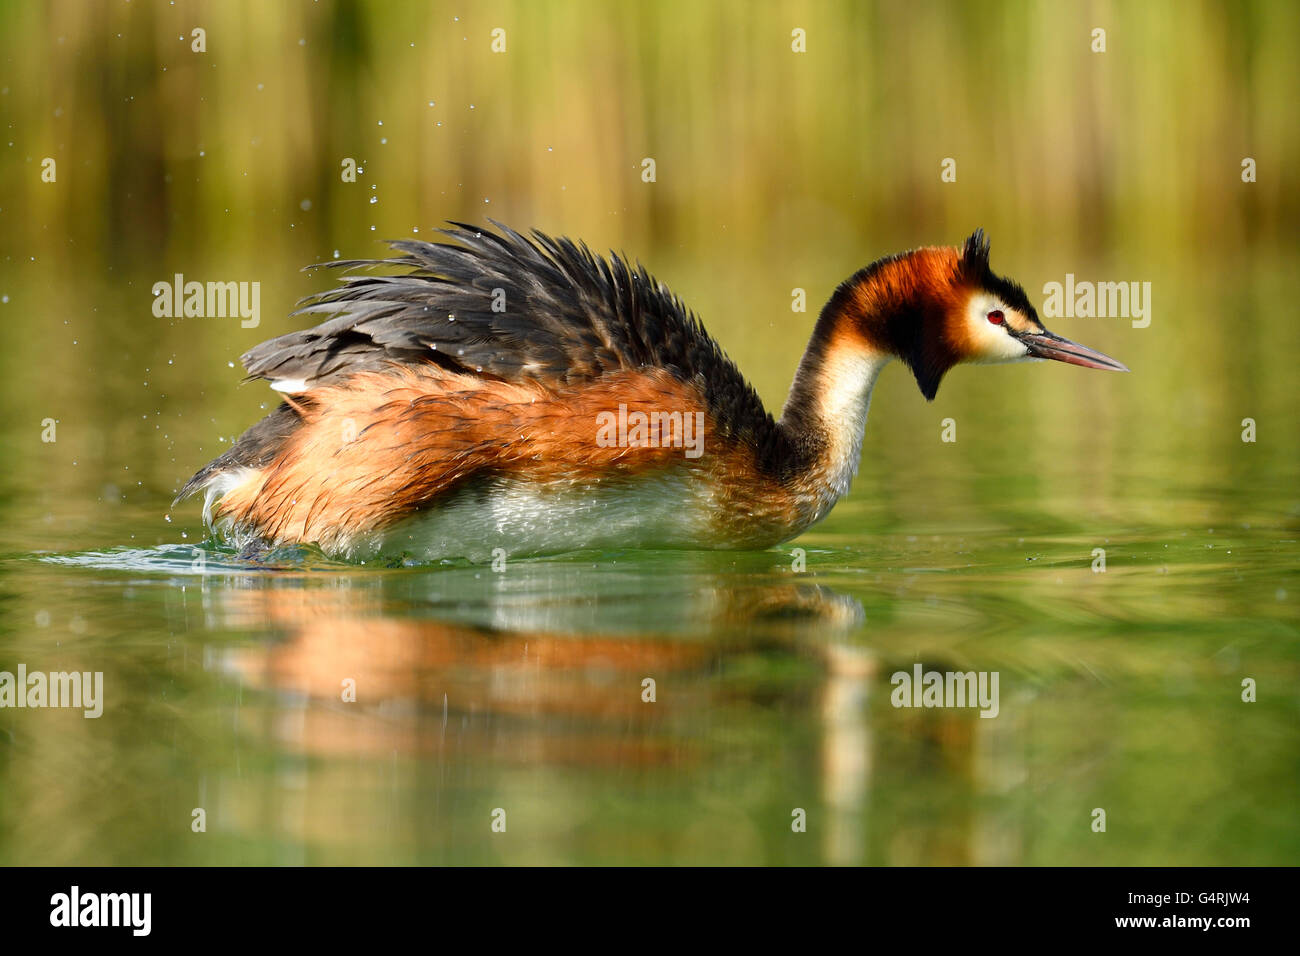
point(668, 510)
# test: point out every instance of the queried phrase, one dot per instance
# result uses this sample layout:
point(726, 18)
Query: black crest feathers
point(975, 269)
point(975, 254)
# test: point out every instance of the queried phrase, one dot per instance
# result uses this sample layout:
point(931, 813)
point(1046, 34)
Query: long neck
point(825, 416)
point(894, 308)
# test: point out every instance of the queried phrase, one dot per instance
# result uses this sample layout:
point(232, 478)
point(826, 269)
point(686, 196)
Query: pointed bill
point(1048, 345)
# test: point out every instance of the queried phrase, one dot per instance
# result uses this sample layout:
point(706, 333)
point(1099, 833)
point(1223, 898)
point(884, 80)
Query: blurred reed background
point(166, 152)
point(775, 170)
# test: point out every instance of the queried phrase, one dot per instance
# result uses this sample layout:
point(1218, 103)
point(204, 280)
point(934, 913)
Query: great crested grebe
point(526, 395)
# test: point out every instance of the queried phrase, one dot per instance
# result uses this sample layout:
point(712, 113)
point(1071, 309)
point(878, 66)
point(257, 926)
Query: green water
point(522, 689)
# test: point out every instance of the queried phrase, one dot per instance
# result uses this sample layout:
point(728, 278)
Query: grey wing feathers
point(500, 304)
point(493, 304)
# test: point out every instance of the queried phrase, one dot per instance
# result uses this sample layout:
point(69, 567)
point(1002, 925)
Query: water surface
point(522, 690)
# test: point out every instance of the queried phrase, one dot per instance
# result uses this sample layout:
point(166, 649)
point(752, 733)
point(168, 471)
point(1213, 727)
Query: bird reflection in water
point(545, 670)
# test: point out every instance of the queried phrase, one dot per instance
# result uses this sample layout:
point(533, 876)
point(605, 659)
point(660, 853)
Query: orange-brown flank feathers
point(378, 446)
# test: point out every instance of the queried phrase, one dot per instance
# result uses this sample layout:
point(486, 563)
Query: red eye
point(996, 317)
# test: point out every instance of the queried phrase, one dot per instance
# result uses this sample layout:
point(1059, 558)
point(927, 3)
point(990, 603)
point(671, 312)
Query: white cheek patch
point(992, 343)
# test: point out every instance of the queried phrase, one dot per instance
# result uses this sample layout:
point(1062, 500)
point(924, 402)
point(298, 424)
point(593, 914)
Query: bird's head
point(935, 307)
